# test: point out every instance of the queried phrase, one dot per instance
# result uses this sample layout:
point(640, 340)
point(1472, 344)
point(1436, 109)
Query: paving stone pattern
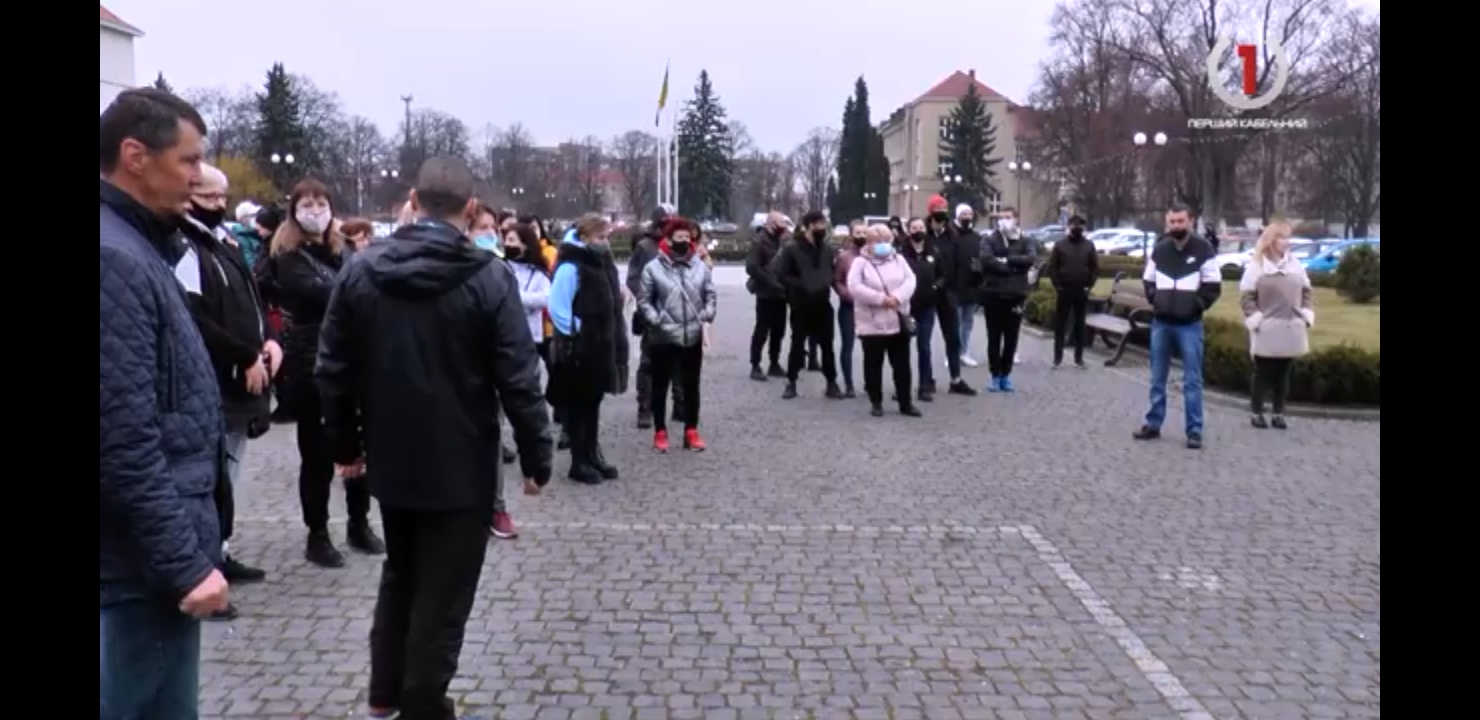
point(1009, 557)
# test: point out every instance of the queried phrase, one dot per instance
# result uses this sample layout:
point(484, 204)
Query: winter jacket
point(1005, 261)
point(534, 294)
point(589, 351)
point(160, 449)
point(931, 272)
point(1182, 282)
point(805, 268)
point(424, 341)
point(966, 249)
point(1276, 299)
point(840, 274)
point(1073, 264)
point(305, 277)
point(870, 281)
point(676, 297)
point(644, 251)
point(761, 279)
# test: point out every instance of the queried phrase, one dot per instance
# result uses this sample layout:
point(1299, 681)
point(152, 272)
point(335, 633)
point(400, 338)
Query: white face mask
point(313, 222)
point(1006, 224)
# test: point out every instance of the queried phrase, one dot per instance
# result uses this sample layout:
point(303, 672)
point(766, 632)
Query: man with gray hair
point(232, 321)
point(425, 338)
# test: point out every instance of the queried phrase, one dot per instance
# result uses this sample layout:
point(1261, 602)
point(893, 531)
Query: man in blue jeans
point(1182, 281)
point(160, 452)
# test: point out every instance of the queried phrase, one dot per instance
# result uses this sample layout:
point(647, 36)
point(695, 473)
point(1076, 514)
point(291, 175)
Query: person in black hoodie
point(1006, 257)
point(423, 342)
point(227, 312)
point(805, 268)
point(770, 297)
point(1073, 267)
point(305, 258)
point(644, 251)
point(934, 266)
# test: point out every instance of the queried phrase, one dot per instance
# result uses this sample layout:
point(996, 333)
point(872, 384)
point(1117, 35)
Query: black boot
point(833, 392)
point(876, 409)
point(776, 371)
point(908, 409)
point(757, 374)
point(607, 470)
point(926, 394)
point(363, 538)
point(237, 572)
point(644, 419)
point(790, 393)
point(849, 393)
point(320, 550)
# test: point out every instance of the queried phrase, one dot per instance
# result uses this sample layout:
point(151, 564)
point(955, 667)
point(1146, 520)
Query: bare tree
point(766, 179)
point(590, 169)
point(814, 161)
point(635, 157)
point(1346, 150)
point(512, 157)
point(231, 117)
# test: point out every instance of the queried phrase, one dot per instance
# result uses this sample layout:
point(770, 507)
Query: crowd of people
point(399, 360)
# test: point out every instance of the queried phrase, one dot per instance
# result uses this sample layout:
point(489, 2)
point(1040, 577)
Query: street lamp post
point(909, 198)
point(281, 162)
point(868, 201)
point(1018, 170)
point(517, 193)
point(1142, 140)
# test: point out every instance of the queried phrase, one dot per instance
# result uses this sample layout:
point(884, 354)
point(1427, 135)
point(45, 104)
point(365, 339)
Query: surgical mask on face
point(1006, 224)
point(313, 222)
point(882, 249)
point(486, 242)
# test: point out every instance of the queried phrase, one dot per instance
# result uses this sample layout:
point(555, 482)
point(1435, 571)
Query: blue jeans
point(148, 663)
point(968, 323)
point(847, 334)
point(924, 330)
point(1187, 342)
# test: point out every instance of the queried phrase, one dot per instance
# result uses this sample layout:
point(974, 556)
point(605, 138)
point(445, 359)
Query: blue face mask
point(882, 249)
point(487, 242)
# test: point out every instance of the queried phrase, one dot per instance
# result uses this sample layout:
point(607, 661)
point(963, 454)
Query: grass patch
point(1338, 322)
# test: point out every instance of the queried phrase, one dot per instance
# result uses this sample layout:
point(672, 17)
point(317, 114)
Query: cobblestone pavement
point(1009, 557)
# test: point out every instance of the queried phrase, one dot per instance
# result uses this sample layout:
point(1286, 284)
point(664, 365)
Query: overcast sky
point(569, 68)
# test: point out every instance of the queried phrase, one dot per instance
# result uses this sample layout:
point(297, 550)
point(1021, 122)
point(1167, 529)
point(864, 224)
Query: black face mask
point(859, 242)
point(819, 235)
point(208, 218)
point(966, 224)
point(1178, 234)
point(917, 237)
point(513, 254)
point(1076, 232)
point(680, 249)
point(941, 217)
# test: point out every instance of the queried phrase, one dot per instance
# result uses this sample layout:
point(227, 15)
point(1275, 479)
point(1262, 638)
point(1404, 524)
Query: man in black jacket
point(804, 267)
point(644, 251)
point(770, 297)
point(424, 340)
point(229, 315)
point(1182, 281)
point(1073, 267)
point(1006, 256)
point(932, 256)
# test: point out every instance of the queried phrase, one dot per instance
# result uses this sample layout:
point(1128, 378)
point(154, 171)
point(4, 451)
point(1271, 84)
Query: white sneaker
point(969, 361)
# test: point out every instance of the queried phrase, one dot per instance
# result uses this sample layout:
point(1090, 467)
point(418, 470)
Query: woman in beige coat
point(1276, 298)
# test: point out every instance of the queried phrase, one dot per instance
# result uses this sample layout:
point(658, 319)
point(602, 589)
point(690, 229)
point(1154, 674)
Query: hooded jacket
point(676, 297)
point(760, 279)
point(1182, 282)
point(1005, 262)
point(423, 342)
point(805, 268)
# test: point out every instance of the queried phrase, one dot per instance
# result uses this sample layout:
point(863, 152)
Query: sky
point(571, 68)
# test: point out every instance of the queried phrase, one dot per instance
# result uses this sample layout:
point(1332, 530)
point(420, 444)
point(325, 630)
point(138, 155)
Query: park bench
point(1116, 316)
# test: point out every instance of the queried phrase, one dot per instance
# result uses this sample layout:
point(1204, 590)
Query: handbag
point(907, 323)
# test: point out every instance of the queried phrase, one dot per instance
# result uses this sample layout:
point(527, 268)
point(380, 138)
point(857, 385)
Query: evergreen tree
point(280, 129)
point(162, 84)
point(971, 150)
point(704, 150)
point(876, 181)
point(847, 202)
point(834, 214)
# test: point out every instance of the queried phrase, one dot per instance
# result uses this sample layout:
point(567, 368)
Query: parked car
point(1328, 259)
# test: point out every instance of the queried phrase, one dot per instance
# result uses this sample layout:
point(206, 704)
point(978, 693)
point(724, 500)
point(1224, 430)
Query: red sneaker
point(692, 441)
point(660, 441)
point(503, 526)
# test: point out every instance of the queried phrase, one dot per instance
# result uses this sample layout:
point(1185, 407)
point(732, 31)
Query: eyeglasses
point(209, 197)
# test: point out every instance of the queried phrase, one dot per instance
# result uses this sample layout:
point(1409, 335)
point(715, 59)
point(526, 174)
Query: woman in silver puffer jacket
point(677, 299)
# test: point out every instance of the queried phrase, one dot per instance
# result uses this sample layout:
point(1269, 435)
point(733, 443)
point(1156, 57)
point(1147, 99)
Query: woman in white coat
point(534, 292)
point(1275, 294)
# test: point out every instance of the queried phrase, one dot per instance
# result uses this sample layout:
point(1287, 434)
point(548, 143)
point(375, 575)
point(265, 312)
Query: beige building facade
point(918, 170)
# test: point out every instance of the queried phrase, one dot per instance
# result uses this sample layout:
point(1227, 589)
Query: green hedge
point(1341, 375)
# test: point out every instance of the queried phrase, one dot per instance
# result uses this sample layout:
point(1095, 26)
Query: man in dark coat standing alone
point(424, 340)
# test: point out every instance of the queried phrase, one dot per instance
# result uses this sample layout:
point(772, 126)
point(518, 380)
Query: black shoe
point(1278, 422)
point(1194, 442)
point(509, 455)
point(321, 551)
point(1146, 432)
point(776, 371)
point(238, 573)
point(925, 395)
point(607, 470)
point(1258, 421)
point(585, 474)
point(876, 410)
point(757, 374)
point(227, 614)
point(909, 410)
point(960, 387)
point(362, 538)
point(790, 393)
point(563, 442)
point(644, 420)
point(849, 393)
point(833, 392)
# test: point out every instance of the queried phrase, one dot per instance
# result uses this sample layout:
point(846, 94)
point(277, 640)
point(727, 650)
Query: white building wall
point(115, 65)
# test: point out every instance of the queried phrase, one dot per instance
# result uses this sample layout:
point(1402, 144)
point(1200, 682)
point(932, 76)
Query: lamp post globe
point(288, 158)
point(1139, 138)
point(1027, 166)
point(1160, 138)
point(275, 158)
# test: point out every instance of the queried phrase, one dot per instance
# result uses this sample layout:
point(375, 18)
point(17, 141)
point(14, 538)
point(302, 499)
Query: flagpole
point(673, 157)
point(658, 156)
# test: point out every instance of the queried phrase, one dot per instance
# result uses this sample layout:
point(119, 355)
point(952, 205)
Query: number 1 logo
point(1248, 55)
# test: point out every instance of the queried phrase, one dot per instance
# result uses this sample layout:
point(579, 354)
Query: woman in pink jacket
point(881, 284)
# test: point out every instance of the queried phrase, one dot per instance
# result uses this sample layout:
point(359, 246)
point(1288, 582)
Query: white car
point(1119, 241)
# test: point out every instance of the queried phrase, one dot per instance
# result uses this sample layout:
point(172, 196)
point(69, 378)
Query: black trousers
point(1004, 318)
point(681, 366)
point(815, 324)
point(582, 424)
point(1271, 382)
point(645, 383)
point(316, 467)
point(877, 348)
point(1070, 308)
point(225, 506)
point(948, 321)
point(427, 585)
point(770, 329)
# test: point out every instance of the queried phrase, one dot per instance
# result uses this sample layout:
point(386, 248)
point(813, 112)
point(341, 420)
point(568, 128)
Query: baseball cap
point(247, 211)
point(937, 204)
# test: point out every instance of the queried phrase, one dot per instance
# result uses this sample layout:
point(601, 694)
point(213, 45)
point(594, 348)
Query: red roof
point(953, 87)
point(106, 17)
